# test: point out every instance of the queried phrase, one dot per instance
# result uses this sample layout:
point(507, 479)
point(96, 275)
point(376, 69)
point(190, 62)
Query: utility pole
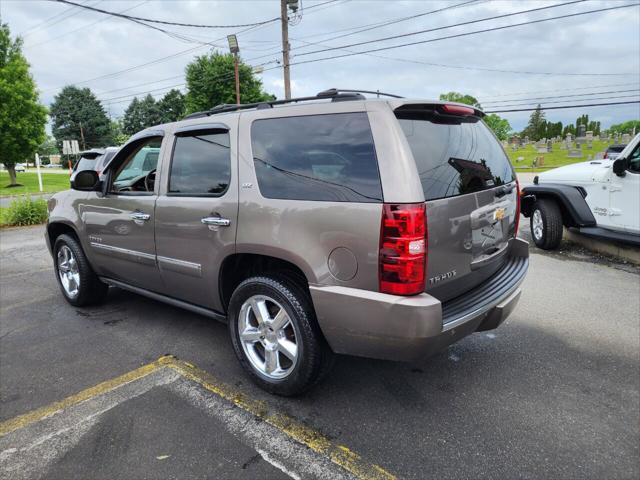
point(284, 20)
point(237, 81)
point(235, 49)
point(84, 145)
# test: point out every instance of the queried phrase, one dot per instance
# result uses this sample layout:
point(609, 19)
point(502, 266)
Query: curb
point(624, 252)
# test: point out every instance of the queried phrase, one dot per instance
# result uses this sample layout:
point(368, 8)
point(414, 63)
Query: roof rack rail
point(337, 94)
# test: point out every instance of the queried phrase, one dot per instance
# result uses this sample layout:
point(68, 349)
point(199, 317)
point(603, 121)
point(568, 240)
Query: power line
point(158, 60)
point(566, 106)
point(376, 25)
point(561, 96)
point(615, 97)
point(39, 25)
point(163, 22)
point(84, 27)
point(482, 31)
point(441, 65)
point(561, 90)
point(444, 27)
point(403, 19)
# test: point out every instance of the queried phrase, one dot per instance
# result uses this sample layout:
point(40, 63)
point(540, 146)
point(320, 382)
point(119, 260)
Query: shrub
point(25, 211)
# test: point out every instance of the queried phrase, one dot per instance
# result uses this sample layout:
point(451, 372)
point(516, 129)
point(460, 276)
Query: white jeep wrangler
point(599, 198)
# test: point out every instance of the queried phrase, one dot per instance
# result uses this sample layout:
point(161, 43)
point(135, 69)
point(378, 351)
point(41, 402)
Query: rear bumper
point(377, 325)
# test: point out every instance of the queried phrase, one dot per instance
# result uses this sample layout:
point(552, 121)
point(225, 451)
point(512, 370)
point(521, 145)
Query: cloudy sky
point(592, 58)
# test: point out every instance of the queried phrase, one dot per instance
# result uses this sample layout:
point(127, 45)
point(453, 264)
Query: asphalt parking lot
point(91, 393)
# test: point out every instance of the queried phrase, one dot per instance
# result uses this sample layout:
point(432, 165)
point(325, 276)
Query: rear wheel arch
point(239, 266)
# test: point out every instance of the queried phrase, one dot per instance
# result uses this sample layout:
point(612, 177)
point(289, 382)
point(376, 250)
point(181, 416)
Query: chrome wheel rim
point(268, 337)
point(537, 225)
point(68, 271)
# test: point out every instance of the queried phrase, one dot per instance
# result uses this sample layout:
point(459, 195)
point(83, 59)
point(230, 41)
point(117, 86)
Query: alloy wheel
point(537, 225)
point(268, 337)
point(68, 271)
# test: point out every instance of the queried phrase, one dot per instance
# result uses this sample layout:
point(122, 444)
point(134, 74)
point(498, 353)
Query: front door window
point(138, 171)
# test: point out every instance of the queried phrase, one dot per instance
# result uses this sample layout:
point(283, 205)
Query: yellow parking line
point(311, 438)
point(104, 387)
point(316, 441)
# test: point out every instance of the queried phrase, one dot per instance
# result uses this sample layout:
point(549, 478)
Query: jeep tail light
point(403, 249)
point(518, 201)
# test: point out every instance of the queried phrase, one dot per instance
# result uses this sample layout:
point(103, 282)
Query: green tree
point(582, 120)
point(141, 114)
point(211, 82)
point(460, 98)
point(569, 129)
point(117, 133)
point(499, 125)
point(47, 148)
point(537, 126)
point(629, 127)
point(22, 117)
point(171, 106)
point(77, 114)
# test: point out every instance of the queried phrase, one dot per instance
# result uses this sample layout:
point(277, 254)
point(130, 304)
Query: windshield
point(454, 156)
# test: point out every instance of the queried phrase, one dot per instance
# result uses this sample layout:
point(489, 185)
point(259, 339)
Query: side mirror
point(620, 167)
point(86, 181)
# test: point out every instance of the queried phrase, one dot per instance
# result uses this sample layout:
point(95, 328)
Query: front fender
point(575, 211)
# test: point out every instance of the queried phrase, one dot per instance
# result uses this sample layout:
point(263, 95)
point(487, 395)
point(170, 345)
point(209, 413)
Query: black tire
point(91, 290)
point(314, 358)
point(551, 231)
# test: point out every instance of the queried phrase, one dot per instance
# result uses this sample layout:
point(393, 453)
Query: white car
point(599, 198)
point(20, 168)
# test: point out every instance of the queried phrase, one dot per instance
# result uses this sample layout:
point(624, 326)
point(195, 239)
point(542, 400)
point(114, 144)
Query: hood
point(578, 172)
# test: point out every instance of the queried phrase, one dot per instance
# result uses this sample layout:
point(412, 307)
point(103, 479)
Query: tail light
point(403, 249)
point(457, 110)
point(518, 201)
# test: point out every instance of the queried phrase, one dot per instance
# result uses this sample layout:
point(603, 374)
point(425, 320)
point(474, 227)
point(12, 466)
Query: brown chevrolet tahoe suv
point(383, 228)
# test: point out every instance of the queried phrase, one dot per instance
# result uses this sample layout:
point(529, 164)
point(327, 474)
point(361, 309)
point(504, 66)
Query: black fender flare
point(575, 211)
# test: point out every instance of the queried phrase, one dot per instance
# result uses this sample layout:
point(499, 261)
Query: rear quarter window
point(86, 164)
point(454, 156)
point(316, 157)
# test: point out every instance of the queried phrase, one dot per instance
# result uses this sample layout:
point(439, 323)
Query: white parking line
point(30, 443)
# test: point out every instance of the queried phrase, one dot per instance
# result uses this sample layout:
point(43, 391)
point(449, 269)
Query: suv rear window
point(454, 156)
point(316, 157)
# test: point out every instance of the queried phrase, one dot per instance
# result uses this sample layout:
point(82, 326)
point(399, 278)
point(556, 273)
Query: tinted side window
point(319, 157)
point(454, 157)
point(201, 164)
point(85, 164)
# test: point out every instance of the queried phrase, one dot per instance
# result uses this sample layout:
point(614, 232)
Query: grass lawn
point(557, 158)
point(51, 182)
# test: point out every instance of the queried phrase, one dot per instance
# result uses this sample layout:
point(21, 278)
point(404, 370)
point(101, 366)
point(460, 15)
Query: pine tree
point(77, 114)
point(536, 128)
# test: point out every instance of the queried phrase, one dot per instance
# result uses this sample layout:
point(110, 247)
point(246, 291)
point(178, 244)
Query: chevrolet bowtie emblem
point(499, 214)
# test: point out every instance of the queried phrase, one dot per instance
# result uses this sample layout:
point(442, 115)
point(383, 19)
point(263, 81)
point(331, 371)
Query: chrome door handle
point(139, 216)
point(219, 221)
